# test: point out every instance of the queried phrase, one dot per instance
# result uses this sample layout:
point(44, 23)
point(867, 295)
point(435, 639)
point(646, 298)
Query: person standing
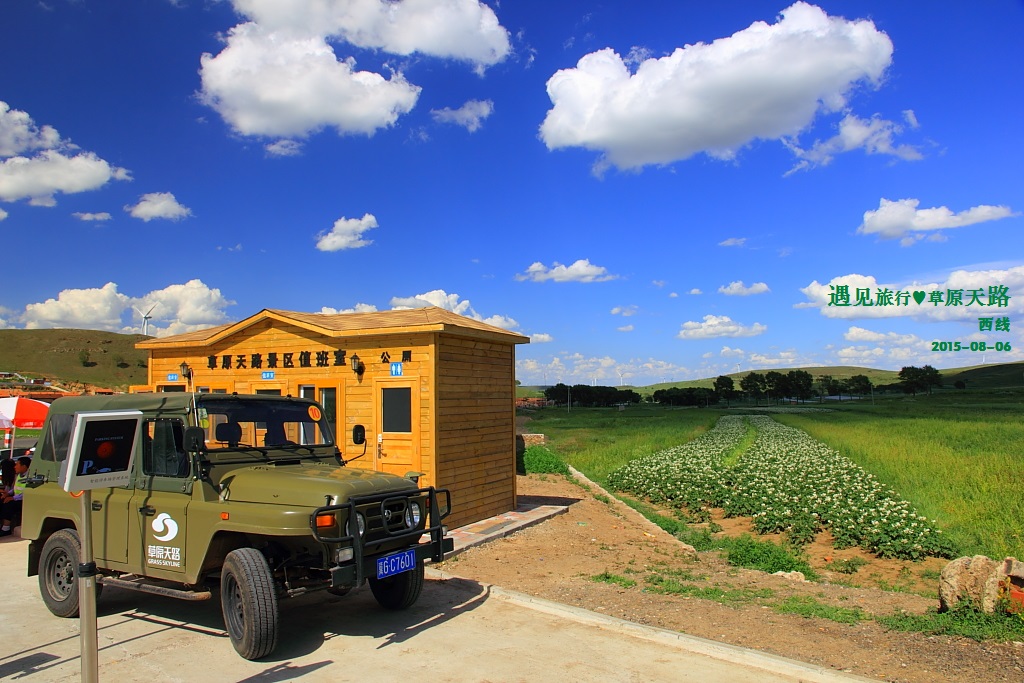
point(11, 509)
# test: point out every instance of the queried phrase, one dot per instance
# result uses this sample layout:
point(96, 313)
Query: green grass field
point(957, 457)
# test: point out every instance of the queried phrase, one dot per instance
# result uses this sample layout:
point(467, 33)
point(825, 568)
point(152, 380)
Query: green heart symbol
point(919, 296)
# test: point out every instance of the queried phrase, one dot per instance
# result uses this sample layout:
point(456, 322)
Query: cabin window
point(396, 409)
point(329, 400)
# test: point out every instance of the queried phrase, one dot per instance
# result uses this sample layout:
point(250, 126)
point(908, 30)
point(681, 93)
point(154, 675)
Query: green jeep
point(247, 491)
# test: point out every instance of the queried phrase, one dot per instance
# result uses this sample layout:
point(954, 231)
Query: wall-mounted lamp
point(186, 371)
point(358, 366)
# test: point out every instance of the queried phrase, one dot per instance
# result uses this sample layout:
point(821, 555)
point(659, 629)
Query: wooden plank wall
point(476, 427)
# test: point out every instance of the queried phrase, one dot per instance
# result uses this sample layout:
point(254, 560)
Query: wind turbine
point(146, 317)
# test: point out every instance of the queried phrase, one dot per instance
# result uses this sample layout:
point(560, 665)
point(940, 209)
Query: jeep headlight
point(360, 525)
point(413, 515)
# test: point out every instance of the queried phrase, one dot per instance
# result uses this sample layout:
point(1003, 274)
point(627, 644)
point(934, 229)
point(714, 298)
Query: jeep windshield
point(262, 423)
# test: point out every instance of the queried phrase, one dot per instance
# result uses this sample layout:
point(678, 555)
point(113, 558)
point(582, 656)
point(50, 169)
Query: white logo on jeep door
point(163, 524)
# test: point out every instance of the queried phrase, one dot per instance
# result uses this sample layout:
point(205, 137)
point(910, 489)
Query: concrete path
point(458, 631)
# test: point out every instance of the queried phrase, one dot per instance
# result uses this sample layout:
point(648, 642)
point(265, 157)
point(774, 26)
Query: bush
point(539, 460)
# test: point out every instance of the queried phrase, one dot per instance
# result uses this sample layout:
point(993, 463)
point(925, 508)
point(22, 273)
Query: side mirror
point(358, 434)
point(195, 439)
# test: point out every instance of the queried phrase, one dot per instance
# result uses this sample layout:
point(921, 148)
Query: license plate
point(389, 565)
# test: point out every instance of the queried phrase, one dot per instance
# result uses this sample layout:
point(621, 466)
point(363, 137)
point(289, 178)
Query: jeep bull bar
point(376, 524)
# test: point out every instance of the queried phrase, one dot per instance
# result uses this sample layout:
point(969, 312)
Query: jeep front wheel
point(249, 603)
point(399, 591)
point(58, 584)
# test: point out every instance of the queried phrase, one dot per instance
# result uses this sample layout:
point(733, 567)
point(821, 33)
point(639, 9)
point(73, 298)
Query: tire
point(248, 601)
point(58, 582)
point(399, 591)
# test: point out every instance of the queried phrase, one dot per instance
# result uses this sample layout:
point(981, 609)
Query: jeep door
point(162, 494)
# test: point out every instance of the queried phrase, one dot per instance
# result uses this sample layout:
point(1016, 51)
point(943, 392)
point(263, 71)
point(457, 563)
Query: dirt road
point(558, 559)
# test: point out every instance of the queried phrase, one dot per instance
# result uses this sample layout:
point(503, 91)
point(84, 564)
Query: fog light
point(343, 555)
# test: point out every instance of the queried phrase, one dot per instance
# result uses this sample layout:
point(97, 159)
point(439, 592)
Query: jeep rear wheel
point(399, 591)
point(249, 603)
point(58, 584)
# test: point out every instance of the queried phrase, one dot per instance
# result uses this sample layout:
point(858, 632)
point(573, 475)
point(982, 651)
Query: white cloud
point(860, 334)
point(464, 30)
point(3, 214)
point(284, 148)
point(637, 55)
point(695, 291)
point(40, 177)
point(767, 81)
point(911, 118)
point(184, 307)
point(358, 308)
point(455, 304)
point(733, 242)
point(158, 205)
point(470, 115)
point(580, 271)
point(271, 84)
point(719, 326)
point(58, 167)
point(625, 311)
point(658, 283)
point(101, 216)
point(729, 352)
point(860, 355)
point(279, 75)
point(973, 287)
point(874, 136)
point(575, 368)
point(780, 359)
point(673, 295)
point(19, 133)
point(737, 288)
point(625, 328)
point(347, 233)
point(903, 220)
point(96, 308)
point(541, 338)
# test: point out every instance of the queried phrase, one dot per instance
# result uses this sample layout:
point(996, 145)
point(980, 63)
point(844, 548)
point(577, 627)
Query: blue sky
point(650, 191)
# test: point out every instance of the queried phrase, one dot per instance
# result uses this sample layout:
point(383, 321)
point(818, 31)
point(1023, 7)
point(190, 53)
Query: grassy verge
point(964, 622)
point(597, 441)
point(806, 606)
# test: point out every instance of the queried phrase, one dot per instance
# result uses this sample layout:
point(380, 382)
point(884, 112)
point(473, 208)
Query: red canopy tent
point(18, 412)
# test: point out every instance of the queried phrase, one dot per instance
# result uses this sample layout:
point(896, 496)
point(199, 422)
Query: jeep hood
point(307, 484)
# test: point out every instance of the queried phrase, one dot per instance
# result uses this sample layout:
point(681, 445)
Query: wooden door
point(398, 438)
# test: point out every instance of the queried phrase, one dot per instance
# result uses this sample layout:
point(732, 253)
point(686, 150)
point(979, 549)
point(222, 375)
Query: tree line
point(771, 387)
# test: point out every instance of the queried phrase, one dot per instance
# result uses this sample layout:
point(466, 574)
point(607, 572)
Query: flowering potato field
point(786, 481)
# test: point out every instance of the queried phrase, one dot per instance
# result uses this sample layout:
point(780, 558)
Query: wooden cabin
point(434, 390)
